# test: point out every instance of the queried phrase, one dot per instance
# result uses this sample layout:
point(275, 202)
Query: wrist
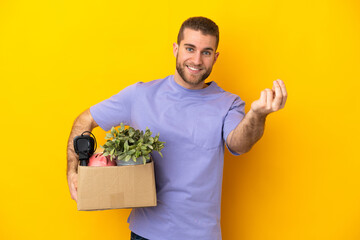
point(257, 115)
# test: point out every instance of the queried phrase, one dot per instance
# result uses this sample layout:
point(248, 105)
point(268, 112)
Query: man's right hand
point(72, 181)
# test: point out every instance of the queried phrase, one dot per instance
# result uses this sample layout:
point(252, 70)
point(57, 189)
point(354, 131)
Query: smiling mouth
point(193, 69)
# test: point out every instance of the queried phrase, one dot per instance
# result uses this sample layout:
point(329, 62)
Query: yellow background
point(301, 181)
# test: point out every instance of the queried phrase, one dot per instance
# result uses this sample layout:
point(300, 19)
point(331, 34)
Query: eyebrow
point(191, 45)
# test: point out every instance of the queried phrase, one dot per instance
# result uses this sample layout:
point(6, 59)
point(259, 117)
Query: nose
point(197, 58)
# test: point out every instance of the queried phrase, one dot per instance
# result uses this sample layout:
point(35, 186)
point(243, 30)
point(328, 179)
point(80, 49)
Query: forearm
point(84, 122)
point(247, 132)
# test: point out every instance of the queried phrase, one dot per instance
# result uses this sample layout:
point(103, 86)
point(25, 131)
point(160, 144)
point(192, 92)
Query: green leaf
point(108, 136)
point(131, 152)
point(105, 154)
point(161, 154)
point(134, 158)
point(126, 146)
point(127, 158)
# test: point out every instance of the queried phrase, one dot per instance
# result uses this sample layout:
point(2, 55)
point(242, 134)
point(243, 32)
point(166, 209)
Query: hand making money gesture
point(270, 100)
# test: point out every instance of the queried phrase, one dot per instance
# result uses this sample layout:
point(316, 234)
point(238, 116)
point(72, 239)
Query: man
point(195, 119)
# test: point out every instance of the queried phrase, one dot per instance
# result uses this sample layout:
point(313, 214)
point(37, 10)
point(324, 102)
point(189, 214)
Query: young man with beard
point(195, 119)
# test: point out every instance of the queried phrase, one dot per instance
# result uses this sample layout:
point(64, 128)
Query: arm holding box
point(84, 122)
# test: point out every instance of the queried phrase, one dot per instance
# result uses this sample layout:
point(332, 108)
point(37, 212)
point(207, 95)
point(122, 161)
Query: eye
point(189, 49)
point(207, 53)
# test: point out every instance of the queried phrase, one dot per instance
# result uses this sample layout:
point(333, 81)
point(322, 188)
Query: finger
point(74, 193)
point(74, 187)
point(74, 196)
point(260, 104)
point(263, 98)
point(284, 93)
point(278, 96)
point(269, 98)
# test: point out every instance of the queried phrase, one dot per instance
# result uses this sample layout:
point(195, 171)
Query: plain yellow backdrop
point(300, 181)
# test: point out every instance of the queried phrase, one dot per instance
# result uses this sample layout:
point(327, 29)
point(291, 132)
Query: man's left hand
point(270, 100)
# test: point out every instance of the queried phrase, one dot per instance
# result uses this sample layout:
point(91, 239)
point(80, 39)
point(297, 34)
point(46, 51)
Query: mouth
point(193, 69)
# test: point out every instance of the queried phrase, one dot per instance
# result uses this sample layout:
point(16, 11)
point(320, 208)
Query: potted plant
point(128, 146)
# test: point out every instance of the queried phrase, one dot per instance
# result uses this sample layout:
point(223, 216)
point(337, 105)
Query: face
point(195, 57)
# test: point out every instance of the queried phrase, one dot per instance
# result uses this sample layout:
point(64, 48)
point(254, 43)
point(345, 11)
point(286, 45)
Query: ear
point(216, 57)
point(175, 49)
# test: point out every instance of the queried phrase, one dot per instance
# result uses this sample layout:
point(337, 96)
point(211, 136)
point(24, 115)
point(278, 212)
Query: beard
point(196, 79)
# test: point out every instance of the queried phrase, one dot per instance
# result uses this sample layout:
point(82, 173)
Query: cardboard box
point(101, 188)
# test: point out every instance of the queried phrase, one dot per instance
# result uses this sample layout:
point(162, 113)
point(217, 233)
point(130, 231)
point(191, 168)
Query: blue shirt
point(194, 124)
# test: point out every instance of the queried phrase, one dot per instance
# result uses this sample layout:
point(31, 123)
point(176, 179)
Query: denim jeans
point(134, 236)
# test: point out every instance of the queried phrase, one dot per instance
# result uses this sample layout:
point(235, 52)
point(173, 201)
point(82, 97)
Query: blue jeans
point(134, 236)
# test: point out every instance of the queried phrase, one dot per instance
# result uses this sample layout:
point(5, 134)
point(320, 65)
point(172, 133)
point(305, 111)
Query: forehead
point(198, 39)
